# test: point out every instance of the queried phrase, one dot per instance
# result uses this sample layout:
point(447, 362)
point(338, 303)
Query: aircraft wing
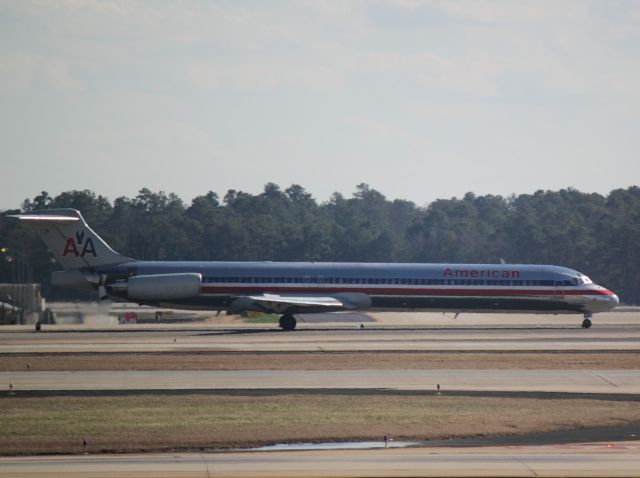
point(280, 303)
point(273, 301)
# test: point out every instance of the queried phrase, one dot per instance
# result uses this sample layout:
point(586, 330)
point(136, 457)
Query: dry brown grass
point(323, 361)
point(157, 422)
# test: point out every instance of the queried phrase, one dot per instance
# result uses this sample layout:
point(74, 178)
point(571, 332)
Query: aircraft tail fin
point(73, 243)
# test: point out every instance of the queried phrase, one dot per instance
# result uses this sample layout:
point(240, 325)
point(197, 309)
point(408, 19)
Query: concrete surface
point(562, 381)
point(585, 460)
point(426, 332)
point(391, 331)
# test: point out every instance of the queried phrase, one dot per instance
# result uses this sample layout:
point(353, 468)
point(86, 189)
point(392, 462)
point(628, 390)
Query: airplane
point(289, 288)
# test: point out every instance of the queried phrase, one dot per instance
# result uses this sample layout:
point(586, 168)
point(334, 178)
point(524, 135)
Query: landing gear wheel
point(288, 322)
point(586, 323)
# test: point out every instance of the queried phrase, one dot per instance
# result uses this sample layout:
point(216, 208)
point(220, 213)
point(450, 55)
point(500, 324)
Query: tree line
point(595, 234)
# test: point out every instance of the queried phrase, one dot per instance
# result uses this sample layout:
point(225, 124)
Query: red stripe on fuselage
point(236, 288)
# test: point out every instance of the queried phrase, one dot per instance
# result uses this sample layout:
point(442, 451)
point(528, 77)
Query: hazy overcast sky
point(421, 99)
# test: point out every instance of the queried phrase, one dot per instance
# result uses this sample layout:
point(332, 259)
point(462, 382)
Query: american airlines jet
point(288, 288)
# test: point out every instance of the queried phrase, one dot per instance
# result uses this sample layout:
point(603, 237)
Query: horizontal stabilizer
point(43, 217)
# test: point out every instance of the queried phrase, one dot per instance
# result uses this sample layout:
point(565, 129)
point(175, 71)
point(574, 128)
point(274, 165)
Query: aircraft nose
point(613, 300)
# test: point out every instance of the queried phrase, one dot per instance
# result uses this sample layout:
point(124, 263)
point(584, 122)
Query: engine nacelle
point(164, 286)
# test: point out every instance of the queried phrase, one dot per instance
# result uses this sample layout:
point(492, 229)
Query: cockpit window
point(580, 280)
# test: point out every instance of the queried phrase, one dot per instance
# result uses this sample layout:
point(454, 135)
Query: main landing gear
point(586, 323)
point(288, 322)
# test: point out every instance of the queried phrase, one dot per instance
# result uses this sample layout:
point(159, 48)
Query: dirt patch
point(31, 425)
point(322, 361)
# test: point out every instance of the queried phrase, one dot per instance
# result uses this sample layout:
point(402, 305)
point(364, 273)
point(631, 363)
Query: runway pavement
point(443, 335)
point(585, 460)
point(559, 381)
point(427, 332)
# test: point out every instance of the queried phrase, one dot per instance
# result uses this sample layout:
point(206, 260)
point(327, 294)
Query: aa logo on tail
point(78, 246)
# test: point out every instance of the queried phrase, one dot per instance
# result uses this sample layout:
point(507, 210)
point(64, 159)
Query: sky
point(421, 99)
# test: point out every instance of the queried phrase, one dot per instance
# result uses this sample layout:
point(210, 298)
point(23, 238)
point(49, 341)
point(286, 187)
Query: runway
point(558, 381)
point(611, 333)
point(586, 460)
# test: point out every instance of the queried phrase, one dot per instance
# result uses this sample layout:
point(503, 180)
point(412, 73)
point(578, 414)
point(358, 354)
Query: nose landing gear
point(586, 323)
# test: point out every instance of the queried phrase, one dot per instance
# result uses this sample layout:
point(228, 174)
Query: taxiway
point(586, 460)
point(556, 381)
point(611, 333)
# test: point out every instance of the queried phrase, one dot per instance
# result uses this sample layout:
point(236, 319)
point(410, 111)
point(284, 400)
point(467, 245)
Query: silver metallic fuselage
point(386, 286)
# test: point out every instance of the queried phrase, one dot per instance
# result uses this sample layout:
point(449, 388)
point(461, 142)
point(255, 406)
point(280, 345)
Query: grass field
point(263, 319)
point(322, 361)
point(154, 422)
